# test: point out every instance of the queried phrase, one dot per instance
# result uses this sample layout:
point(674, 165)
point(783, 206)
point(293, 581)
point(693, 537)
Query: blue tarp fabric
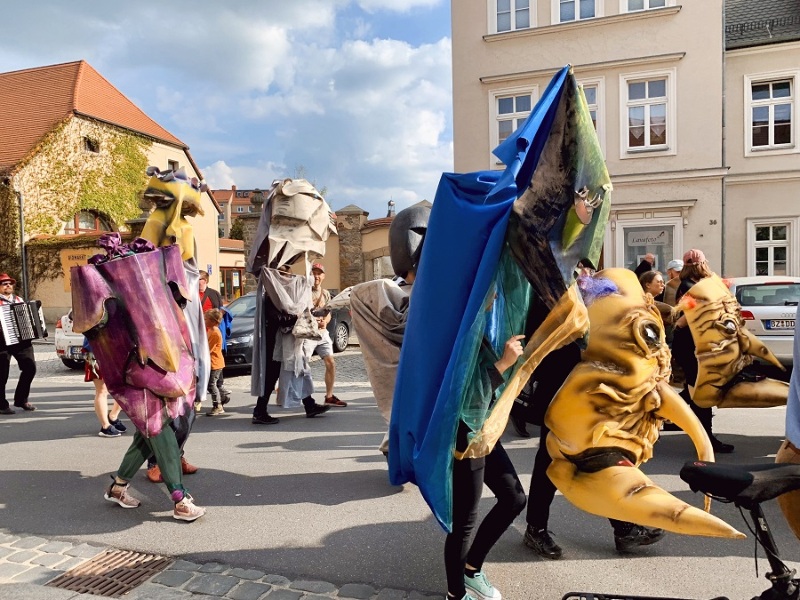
point(465, 238)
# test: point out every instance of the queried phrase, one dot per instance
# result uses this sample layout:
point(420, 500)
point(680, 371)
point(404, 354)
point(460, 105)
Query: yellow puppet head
point(724, 348)
point(604, 420)
point(175, 196)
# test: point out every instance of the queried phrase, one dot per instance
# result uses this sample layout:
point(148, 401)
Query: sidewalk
point(27, 563)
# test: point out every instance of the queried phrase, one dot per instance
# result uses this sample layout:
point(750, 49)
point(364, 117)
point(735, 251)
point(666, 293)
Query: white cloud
point(395, 5)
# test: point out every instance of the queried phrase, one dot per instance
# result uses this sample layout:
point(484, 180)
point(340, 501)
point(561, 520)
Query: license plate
point(76, 352)
point(780, 324)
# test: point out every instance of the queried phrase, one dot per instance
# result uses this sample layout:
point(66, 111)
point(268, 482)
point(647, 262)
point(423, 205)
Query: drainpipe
point(21, 204)
point(723, 150)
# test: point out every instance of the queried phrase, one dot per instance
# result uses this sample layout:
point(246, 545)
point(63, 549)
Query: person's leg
point(330, 375)
point(325, 351)
point(213, 391)
point(101, 403)
point(5, 363)
point(168, 454)
point(467, 488)
point(502, 479)
point(540, 497)
point(118, 491)
point(27, 371)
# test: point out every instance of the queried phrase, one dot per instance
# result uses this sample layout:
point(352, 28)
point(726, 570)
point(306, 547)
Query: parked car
point(69, 345)
point(240, 343)
point(769, 310)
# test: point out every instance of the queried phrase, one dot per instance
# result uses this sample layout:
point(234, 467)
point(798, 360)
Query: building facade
point(698, 123)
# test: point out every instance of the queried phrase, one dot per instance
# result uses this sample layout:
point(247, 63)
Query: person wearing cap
point(695, 268)
point(673, 281)
point(324, 347)
point(22, 353)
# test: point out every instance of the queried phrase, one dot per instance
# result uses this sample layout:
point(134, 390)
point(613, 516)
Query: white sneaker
point(185, 510)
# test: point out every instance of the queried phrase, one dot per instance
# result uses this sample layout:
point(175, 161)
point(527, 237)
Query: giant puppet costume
point(380, 309)
point(295, 224)
point(132, 304)
point(724, 350)
point(514, 236)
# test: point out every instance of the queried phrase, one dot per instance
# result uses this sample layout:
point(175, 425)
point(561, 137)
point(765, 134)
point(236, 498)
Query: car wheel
point(341, 338)
point(73, 364)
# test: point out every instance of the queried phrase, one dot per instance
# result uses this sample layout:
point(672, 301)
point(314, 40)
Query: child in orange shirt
point(213, 318)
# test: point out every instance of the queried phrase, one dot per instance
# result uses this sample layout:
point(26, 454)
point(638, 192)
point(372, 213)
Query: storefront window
point(641, 240)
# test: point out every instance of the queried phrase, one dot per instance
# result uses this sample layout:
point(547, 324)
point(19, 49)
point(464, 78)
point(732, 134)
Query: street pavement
point(304, 509)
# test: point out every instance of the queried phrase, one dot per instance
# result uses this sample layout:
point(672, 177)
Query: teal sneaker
point(480, 587)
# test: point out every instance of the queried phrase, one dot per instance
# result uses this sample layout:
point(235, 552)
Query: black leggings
point(23, 354)
point(469, 475)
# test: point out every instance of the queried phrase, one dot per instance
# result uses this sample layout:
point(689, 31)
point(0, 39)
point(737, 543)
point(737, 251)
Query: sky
point(353, 95)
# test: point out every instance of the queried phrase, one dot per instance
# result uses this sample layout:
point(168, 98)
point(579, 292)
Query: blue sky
point(357, 93)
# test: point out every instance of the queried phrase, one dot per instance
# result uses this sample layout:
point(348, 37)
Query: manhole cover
point(112, 573)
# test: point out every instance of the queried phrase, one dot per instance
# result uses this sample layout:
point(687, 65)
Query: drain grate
point(112, 573)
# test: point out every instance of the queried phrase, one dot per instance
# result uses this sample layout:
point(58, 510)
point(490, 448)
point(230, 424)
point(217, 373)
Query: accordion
point(22, 321)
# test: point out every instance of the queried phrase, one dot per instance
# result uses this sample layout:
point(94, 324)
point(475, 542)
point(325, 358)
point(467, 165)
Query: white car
point(69, 345)
point(769, 310)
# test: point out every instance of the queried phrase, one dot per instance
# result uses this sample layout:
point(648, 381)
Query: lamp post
point(24, 260)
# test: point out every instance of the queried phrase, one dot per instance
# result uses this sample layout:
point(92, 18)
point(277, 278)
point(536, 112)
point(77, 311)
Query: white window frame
point(671, 147)
point(792, 225)
point(491, 7)
point(494, 96)
point(615, 238)
point(599, 83)
point(555, 11)
point(623, 6)
point(749, 80)
point(240, 209)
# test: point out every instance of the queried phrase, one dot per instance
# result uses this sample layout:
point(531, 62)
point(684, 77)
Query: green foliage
point(237, 231)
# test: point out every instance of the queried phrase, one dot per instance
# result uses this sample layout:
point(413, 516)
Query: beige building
point(695, 106)
point(73, 154)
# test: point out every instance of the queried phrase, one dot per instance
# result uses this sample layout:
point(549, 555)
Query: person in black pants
point(274, 320)
point(695, 268)
point(22, 353)
point(463, 561)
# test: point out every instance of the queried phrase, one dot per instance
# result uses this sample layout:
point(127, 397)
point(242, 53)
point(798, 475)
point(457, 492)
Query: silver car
point(769, 310)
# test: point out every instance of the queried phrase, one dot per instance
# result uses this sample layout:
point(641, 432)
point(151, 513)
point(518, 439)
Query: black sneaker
point(316, 409)
point(519, 425)
point(225, 396)
point(719, 446)
point(541, 542)
point(265, 420)
point(118, 425)
point(110, 431)
point(637, 536)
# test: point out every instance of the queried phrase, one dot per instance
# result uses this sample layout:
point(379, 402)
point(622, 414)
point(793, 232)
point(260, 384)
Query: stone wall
point(349, 222)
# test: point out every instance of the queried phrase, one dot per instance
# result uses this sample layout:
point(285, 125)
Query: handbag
point(305, 328)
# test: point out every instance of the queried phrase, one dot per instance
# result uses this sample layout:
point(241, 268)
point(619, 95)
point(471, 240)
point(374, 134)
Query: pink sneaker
point(185, 510)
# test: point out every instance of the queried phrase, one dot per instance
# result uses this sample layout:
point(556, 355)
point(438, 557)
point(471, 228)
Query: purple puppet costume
point(130, 304)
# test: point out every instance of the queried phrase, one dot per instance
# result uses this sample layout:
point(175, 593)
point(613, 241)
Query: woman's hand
point(511, 352)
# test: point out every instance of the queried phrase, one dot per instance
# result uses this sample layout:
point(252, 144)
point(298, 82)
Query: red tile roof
point(34, 101)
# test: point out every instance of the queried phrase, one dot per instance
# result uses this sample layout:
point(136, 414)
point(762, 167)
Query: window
point(232, 287)
point(91, 145)
point(511, 110)
point(565, 11)
point(633, 238)
point(87, 221)
point(771, 249)
point(593, 92)
point(647, 114)
point(511, 15)
point(634, 5)
point(172, 165)
point(771, 108)
point(240, 209)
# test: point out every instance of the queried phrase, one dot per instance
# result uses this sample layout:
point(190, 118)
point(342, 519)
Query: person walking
point(324, 347)
point(673, 281)
point(213, 318)
point(110, 423)
point(695, 268)
point(22, 352)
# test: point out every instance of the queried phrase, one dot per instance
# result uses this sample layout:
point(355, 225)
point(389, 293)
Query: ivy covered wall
point(80, 165)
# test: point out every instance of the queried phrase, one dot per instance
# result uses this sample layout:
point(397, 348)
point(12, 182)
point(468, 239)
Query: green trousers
point(168, 455)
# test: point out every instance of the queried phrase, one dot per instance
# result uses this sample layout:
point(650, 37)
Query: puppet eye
point(651, 334)
point(728, 326)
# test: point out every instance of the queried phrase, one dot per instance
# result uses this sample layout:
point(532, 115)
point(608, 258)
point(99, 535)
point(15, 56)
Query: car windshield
point(243, 307)
point(769, 294)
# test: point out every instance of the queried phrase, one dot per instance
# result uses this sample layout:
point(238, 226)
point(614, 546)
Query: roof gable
point(751, 23)
point(34, 101)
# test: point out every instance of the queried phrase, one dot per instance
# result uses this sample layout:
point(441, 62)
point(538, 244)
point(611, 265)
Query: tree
point(236, 233)
point(300, 173)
